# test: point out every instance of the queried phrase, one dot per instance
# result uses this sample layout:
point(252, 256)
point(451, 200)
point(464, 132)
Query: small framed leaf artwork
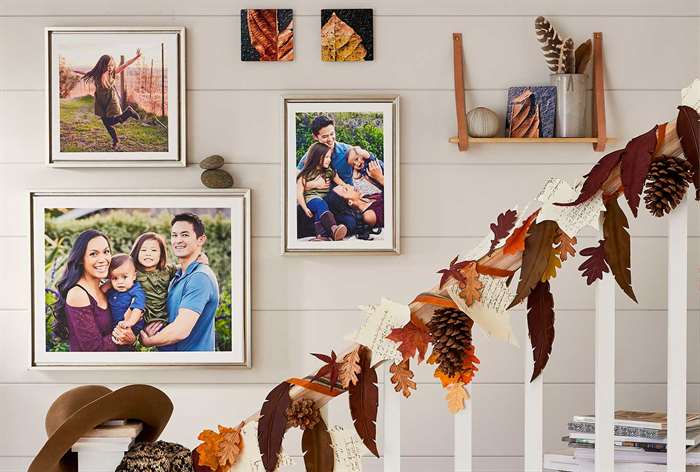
point(531, 112)
point(267, 35)
point(347, 35)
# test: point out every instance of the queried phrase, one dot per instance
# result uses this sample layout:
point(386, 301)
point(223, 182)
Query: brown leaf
point(688, 128)
point(318, 448)
point(617, 246)
point(364, 400)
point(595, 178)
point(504, 223)
point(634, 167)
point(350, 368)
point(595, 265)
point(540, 325)
point(402, 377)
point(273, 424)
point(538, 246)
point(471, 287)
point(456, 396)
point(516, 241)
point(414, 337)
point(340, 43)
point(265, 37)
point(565, 247)
point(583, 54)
point(329, 370)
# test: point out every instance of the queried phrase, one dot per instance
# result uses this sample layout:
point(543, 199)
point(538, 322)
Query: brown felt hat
point(81, 409)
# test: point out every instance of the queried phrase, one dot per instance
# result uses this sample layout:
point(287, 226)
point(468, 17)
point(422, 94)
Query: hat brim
point(138, 402)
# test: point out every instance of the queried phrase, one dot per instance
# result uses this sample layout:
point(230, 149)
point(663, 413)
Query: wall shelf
point(600, 138)
point(502, 140)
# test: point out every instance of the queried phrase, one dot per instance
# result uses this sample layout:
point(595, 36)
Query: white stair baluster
point(463, 437)
point(533, 414)
point(604, 374)
point(392, 425)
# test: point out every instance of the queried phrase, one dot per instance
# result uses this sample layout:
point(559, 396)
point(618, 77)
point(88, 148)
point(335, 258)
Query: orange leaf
point(209, 449)
point(516, 241)
point(465, 376)
point(471, 288)
point(565, 246)
point(437, 300)
point(230, 445)
point(402, 378)
point(412, 337)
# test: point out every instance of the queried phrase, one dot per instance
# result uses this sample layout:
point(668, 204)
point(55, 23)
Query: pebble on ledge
point(213, 176)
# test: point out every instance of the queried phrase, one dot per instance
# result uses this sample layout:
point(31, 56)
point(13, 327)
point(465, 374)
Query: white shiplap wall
point(448, 200)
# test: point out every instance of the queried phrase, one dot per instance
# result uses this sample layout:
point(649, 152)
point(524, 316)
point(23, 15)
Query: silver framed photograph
point(340, 175)
point(115, 96)
point(140, 278)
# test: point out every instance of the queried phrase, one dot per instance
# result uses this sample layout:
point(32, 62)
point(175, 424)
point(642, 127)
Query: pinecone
point(451, 331)
point(303, 414)
point(668, 180)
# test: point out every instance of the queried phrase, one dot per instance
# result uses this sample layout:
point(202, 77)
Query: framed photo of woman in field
point(140, 278)
point(116, 96)
point(340, 175)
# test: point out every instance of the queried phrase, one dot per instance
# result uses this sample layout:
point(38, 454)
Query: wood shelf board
point(503, 140)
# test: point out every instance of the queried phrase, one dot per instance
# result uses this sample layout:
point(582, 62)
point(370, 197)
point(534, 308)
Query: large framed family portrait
point(115, 96)
point(140, 278)
point(340, 175)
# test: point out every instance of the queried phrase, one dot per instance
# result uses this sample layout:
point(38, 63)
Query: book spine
point(619, 431)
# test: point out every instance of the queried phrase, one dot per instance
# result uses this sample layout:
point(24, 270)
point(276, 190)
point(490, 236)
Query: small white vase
point(571, 105)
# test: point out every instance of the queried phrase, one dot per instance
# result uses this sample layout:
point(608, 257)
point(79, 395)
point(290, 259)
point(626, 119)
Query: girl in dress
point(107, 105)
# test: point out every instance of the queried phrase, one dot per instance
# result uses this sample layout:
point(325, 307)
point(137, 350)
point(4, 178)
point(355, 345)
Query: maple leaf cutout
point(349, 368)
point(500, 229)
point(552, 265)
point(456, 396)
point(230, 445)
point(330, 369)
point(402, 378)
point(453, 271)
point(414, 336)
point(565, 246)
point(471, 287)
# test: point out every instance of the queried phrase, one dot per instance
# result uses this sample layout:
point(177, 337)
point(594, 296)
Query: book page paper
point(377, 326)
point(347, 449)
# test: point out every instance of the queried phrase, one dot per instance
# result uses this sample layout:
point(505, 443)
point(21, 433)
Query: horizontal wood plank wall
point(448, 200)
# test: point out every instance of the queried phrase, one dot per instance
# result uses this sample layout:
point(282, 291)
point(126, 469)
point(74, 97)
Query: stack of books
point(102, 449)
point(640, 443)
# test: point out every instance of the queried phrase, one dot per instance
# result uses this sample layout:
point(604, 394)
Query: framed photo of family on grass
point(140, 278)
point(340, 175)
point(115, 96)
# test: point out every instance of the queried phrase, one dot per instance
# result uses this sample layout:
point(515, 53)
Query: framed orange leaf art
point(347, 35)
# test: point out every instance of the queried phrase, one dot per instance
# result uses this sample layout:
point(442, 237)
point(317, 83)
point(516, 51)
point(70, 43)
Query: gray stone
point(217, 178)
point(212, 162)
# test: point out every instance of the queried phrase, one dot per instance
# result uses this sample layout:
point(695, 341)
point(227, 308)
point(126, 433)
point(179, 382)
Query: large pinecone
point(303, 414)
point(667, 182)
point(451, 331)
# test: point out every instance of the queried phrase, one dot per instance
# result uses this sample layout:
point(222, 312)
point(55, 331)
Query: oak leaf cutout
point(617, 246)
point(413, 338)
point(540, 325)
point(340, 43)
point(565, 246)
point(265, 37)
point(516, 241)
point(471, 287)
point(349, 368)
point(538, 247)
point(502, 227)
point(401, 378)
point(456, 396)
point(329, 370)
point(230, 445)
point(593, 267)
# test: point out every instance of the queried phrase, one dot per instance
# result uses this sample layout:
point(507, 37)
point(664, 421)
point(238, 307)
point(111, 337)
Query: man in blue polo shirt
point(193, 294)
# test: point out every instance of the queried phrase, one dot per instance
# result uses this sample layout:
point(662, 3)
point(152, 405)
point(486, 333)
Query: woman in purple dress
point(82, 312)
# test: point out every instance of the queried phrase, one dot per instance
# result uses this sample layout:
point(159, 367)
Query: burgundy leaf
point(364, 401)
point(688, 128)
point(635, 167)
point(617, 246)
point(595, 265)
point(595, 178)
point(540, 325)
point(273, 424)
point(329, 370)
point(453, 271)
point(501, 228)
